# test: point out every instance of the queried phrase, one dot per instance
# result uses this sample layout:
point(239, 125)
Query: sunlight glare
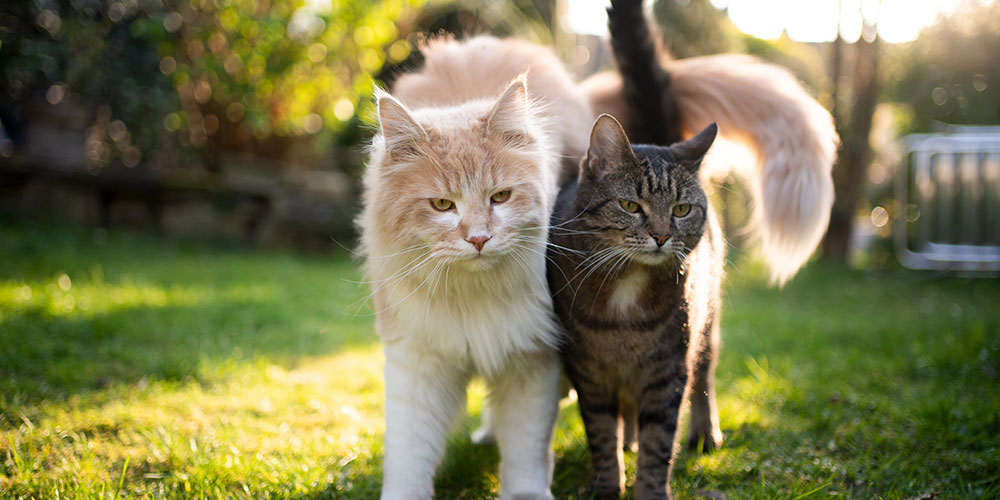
point(813, 20)
point(760, 18)
point(902, 20)
point(586, 17)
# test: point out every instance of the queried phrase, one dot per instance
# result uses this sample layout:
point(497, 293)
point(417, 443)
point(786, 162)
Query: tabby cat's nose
point(478, 241)
point(660, 239)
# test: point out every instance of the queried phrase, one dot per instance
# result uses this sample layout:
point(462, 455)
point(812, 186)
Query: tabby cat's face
point(643, 203)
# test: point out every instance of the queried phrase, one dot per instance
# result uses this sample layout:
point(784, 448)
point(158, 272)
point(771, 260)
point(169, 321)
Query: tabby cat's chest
point(637, 298)
point(623, 319)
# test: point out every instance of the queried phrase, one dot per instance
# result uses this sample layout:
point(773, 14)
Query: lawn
point(134, 367)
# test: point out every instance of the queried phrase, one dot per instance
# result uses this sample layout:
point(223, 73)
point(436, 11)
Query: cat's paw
point(704, 442)
point(630, 444)
point(605, 495)
point(604, 492)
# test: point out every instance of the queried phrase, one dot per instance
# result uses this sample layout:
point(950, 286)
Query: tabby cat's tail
point(772, 132)
point(654, 117)
point(774, 135)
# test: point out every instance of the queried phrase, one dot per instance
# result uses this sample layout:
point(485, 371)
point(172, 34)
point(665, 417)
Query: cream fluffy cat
point(458, 194)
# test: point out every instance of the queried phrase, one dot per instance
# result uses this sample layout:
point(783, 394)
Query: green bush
point(233, 75)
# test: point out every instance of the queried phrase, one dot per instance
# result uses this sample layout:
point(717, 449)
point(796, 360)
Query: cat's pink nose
point(478, 241)
point(660, 239)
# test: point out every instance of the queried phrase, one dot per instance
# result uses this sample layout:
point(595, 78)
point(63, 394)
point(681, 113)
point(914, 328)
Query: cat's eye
point(629, 206)
point(681, 209)
point(442, 204)
point(500, 196)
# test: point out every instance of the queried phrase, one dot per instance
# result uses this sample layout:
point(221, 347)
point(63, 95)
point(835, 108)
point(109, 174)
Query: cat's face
point(465, 188)
point(643, 204)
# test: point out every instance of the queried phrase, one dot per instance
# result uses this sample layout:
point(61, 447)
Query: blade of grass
point(810, 492)
point(121, 480)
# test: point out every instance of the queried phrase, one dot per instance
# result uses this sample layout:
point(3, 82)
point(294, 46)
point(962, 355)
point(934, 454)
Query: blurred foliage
point(695, 28)
point(692, 28)
point(51, 50)
point(281, 78)
point(228, 74)
point(527, 19)
point(951, 73)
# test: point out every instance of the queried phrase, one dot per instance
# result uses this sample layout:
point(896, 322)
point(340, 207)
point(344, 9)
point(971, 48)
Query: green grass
point(133, 367)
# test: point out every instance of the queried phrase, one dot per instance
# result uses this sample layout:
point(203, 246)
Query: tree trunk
point(855, 152)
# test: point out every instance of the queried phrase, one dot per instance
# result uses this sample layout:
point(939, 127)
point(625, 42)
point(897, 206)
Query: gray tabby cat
point(635, 271)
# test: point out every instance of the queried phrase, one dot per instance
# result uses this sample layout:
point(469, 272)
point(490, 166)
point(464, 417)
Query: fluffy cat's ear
point(402, 133)
point(509, 116)
point(692, 151)
point(609, 147)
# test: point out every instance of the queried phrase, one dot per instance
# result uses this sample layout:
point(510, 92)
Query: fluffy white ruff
point(481, 319)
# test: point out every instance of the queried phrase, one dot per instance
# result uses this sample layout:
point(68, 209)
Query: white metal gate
point(948, 188)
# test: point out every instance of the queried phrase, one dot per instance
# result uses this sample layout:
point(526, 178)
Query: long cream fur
point(463, 128)
point(772, 133)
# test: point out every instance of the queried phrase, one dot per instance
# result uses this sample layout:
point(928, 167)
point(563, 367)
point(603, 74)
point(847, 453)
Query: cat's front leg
point(524, 403)
point(422, 395)
point(659, 404)
point(599, 409)
point(704, 433)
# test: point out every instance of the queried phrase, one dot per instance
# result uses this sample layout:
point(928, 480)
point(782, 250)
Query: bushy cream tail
point(775, 136)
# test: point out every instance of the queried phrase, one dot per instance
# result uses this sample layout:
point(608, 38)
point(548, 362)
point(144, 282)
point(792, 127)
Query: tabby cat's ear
point(692, 151)
point(401, 132)
point(609, 147)
point(510, 114)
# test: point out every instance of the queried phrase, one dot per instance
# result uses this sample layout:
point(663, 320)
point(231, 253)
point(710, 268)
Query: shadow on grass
point(466, 472)
point(79, 313)
point(46, 356)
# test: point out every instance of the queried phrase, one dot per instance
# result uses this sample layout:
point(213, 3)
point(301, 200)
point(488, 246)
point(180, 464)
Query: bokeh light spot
point(211, 123)
point(232, 64)
point(64, 282)
point(317, 52)
point(369, 60)
point(116, 11)
point(879, 217)
point(172, 21)
point(234, 111)
point(217, 42)
point(49, 21)
point(364, 35)
point(55, 94)
point(399, 50)
point(939, 95)
point(117, 131)
point(172, 122)
point(202, 91)
point(313, 123)
point(344, 109)
point(168, 65)
point(131, 157)
point(979, 82)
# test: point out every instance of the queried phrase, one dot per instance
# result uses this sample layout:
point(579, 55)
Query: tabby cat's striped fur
point(636, 267)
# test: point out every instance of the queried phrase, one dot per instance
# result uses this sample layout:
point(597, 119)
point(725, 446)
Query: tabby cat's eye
point(681, 209)
point(500, 196)
point(442, 204)
point(629, 206)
